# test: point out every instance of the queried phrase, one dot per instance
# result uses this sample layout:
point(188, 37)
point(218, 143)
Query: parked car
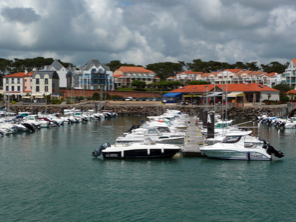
point(129, 99)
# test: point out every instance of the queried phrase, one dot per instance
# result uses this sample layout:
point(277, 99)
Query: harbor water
point(50, 175)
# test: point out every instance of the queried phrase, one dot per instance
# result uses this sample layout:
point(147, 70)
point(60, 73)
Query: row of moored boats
point(11, 123)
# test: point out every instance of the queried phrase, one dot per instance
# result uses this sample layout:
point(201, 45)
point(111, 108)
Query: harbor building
point(243, 92)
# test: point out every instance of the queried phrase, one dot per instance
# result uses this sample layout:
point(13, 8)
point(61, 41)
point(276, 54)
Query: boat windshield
point(231, 139)
point(163, 129)
point(222, 125)
point(31, 117)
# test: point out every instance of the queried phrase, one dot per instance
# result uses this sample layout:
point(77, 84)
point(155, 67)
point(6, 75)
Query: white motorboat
point(37, 122)
point(248, 139)
point(234, 148)
point(146, 149)
point(291, 123)
point(154, 134)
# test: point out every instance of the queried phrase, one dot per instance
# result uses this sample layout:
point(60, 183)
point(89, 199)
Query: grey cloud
point(22, 15)
point(156, 31)
point(260, 4)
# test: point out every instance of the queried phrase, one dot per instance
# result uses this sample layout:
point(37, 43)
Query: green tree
point(283, 88)
point(139, 84)
point(116, 64)
point(274, 67)
point(198, 82)
point(96, 96)
point(165, 69)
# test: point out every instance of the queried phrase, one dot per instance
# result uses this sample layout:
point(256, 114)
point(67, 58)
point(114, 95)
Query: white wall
point(274, 96)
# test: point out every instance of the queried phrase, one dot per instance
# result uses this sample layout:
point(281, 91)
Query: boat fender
point(148, 151)
point(162, 150)
point(122, 153)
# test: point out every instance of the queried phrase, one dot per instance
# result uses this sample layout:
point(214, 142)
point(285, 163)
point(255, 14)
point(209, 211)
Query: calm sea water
point(50, 176)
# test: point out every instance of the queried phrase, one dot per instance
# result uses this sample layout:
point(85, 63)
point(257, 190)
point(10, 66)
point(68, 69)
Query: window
point(12, 88)
point(46, 88)
point(53, 84)
point(46, 81)
point(37, 81)
point(7, 80)
point(25, 87)
point(18, 88)
point(25, 80)
point(12, 80)
point(37, 88)
point(31, 80)
point(18, 80)
point(7, 88)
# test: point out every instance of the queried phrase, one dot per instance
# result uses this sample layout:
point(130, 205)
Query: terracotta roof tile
point(291, 91)
point(115, 76)
point(232, 70)
point(19, 74)
point(189, 72)
point(134, 69)
point(294, 60)
point(241, 87)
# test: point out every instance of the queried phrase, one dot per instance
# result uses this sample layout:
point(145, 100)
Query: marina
point(49, 173)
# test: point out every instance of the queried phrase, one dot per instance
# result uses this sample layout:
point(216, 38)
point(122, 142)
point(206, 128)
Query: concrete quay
point(193, 140)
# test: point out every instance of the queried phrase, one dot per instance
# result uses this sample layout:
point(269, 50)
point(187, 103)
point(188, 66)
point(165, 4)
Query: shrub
point(56, 101)
point(96, 96)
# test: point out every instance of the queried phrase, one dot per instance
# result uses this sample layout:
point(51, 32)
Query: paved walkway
point(193, 140)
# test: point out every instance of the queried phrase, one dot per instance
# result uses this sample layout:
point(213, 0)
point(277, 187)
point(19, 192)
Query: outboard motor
point(133, 127)
point(29, 127)
point(282, 125)
point(264, 143)
point(98, 152)
point(270, 150)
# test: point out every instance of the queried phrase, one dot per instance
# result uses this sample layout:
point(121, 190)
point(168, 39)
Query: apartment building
point(93, 75)
point(289, 76)
point(125, 75)
point(31, 84)
point(61, 71)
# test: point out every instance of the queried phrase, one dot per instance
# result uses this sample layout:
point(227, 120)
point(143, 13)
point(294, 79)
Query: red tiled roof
point(194, 88)
point(189, 72)
point(270, 74)
point(243, 72)
point(134, 69)
point(115, 76)
point(291, 91)
point(19, 74)
point(241, 87)
point(171, 77)
point(257, 73)
point(294, 60)
point(156, 77)
point(211, 73)
point(232, 70)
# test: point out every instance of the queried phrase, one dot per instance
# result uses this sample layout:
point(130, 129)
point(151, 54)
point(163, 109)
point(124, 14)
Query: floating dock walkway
point(193, 140)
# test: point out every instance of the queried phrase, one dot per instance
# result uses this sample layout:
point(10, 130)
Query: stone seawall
point(154, 110)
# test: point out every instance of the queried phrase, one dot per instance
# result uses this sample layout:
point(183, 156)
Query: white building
point(289, 76)
point(61, 71)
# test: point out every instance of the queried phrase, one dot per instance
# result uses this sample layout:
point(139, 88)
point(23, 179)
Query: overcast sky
point(149, 31)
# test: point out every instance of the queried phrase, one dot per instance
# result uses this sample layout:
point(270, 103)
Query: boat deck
point(193, 140)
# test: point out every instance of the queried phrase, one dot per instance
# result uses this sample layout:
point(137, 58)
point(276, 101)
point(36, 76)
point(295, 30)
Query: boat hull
point(236, 155)
point(140, 154)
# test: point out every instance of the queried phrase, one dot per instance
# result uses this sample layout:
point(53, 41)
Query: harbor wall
point(87, 93)
point(156, 110)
